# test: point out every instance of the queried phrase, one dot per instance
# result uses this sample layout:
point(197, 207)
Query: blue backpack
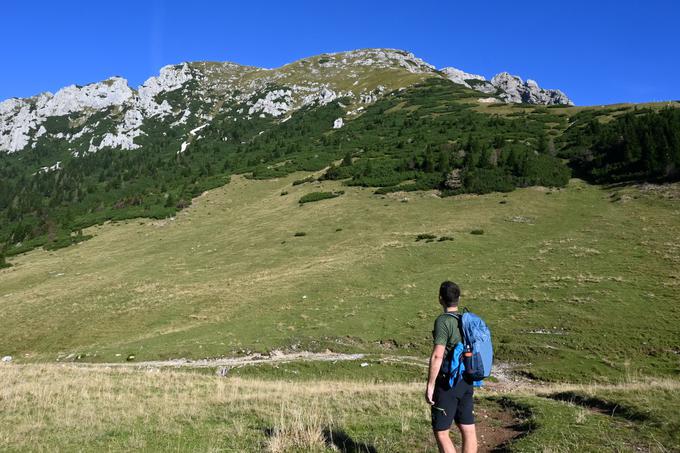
point(476, 338)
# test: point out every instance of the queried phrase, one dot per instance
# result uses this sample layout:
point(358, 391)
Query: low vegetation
point(318, 196)
point(192, 286)
point(95, 408)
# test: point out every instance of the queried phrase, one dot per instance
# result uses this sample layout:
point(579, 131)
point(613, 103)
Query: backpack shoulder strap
point(459, 318)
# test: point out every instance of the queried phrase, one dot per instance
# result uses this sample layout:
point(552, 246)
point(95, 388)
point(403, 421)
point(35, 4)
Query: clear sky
point(596, 51)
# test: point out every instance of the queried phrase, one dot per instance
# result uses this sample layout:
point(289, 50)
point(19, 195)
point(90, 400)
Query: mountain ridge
point(362, 75)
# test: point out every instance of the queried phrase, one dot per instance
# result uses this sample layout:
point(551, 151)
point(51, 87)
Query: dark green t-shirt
point(446, 331)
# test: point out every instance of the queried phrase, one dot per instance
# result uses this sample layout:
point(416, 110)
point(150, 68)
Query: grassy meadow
point(70, 408)
point(579, 286)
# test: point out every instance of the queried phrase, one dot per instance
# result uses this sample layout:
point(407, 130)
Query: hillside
point(360, 280)
point(287, 229)
point(105, 152)
point(569, 279)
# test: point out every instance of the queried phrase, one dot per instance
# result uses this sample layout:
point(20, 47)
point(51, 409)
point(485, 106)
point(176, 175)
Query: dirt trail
point(496, 426)
point(506, 380)
point(252, 359)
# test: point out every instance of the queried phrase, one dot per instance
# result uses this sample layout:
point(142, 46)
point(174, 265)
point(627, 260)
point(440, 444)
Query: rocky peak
point(508, 87)
point(378, 58)
point(96, 96)
point(517, 91)
point(361, 76)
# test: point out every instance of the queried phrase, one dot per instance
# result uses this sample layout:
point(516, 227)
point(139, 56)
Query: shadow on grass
point(599, 405)
point(344, 443)
point(338, 439)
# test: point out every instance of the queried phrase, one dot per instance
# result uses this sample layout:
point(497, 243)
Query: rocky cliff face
point(509, 88)
point(515, 90)
point(186, 96)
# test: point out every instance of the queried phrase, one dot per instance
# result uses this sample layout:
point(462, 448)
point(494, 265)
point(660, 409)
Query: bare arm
point(435, 364)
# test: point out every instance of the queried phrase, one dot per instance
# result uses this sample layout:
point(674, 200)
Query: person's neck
point(450, 309)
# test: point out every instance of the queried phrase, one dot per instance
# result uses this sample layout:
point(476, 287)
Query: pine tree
point(444, 161)
point(347, 160)
point(3, 259)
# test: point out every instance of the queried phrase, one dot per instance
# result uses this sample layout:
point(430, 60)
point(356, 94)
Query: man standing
point(449, 404)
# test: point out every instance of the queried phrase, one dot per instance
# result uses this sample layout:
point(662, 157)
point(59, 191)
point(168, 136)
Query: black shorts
point(452, 404)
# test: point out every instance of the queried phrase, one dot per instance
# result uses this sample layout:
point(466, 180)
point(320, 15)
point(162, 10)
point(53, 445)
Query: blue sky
point(597, 51)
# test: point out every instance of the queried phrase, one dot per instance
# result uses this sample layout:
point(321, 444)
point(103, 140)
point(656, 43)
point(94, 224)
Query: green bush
point(297, 182)
point(65, 241)
point(485, 180)
point(316, 196)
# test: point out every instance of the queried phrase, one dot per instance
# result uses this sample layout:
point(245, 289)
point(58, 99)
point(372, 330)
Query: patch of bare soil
point(496, 428)
point(506, 380)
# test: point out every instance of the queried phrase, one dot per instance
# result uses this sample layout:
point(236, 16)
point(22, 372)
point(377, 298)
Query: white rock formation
point(51, 168)
point(96, 96)
point(338, 123)
point(275, 103)
point(170, 78)
point(517, 91)
point(21, 119)
point(379, 58)
point(460, 77)
point(16, 122)
point(126, 132)
point(319, 80)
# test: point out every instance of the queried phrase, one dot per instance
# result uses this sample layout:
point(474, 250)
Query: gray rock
point(515, 90)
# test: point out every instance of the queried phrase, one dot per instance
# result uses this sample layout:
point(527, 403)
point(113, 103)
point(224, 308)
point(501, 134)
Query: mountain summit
point(110, 114)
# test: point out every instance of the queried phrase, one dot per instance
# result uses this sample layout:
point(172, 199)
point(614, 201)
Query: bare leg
point(469, 435)
point(444, 441)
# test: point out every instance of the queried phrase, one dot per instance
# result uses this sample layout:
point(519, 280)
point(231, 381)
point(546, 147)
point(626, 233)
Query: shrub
point(297, 182)
point(65, 241)
point(445, 238)
point(425, 236)
point(477, 231)
point(316, 196)
point(483, 180)
point(300, 234)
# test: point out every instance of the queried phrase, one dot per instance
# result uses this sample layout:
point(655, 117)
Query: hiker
point(449, 403)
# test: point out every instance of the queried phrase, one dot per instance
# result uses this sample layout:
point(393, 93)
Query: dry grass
point(48, 407)
point(95, 408)
point(631, 385)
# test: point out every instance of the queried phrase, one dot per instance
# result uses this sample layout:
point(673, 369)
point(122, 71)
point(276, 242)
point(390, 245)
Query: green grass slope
point(577, 284)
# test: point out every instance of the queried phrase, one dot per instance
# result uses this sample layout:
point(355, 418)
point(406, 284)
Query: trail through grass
point(88, 408)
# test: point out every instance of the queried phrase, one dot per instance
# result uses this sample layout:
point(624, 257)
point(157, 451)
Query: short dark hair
point(449, 293)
